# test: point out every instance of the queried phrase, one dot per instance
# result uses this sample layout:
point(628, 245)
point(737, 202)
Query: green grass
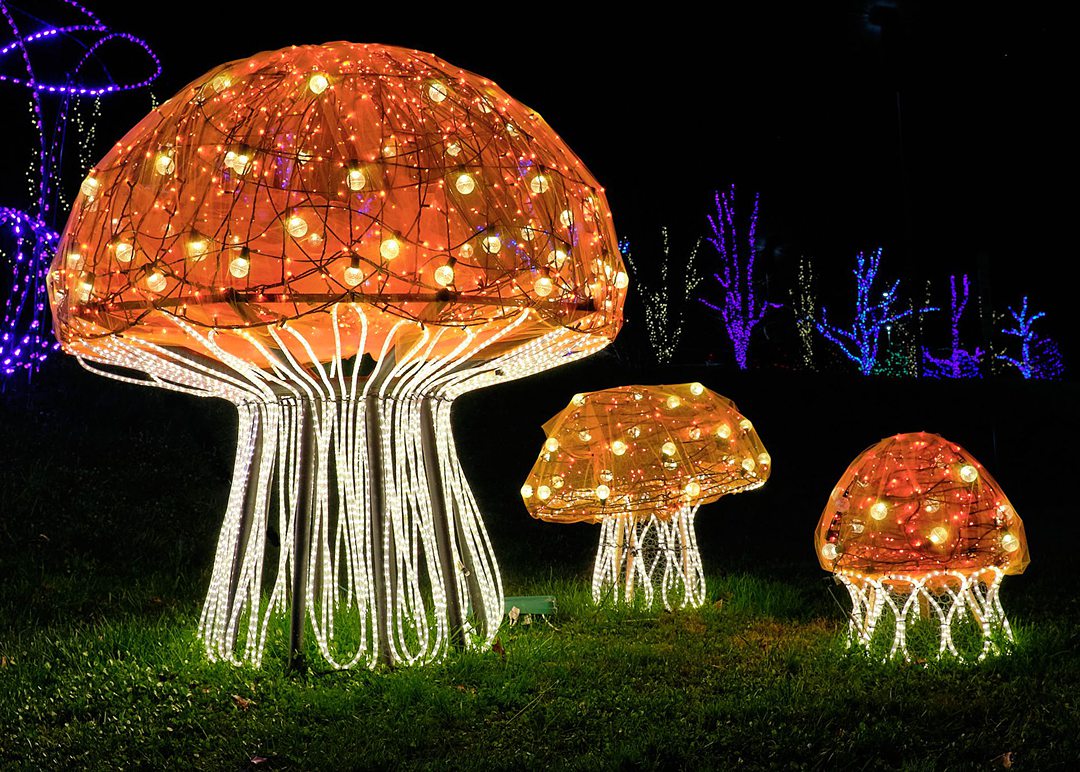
point(758, 677)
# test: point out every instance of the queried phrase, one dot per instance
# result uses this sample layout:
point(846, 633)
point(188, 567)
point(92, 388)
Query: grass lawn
point(111, 501)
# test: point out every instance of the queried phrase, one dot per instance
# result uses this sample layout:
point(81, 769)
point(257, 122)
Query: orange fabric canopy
point(643, 450)
point(276, 187)
point(914, 504)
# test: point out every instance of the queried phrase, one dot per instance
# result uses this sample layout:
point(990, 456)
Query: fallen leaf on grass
point(1006, 759)
point(497, 647)
point(4, 661)
point(256, 760)
point(513, 613)
point(242, 702)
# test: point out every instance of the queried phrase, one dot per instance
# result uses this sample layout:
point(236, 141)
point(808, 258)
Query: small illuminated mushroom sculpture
point(921, 536)
point(641, 460)
point(341, 239)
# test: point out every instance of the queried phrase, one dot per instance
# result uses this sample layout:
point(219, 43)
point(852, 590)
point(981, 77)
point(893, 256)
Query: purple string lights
point(24, 338)
point(860, 343)
point(739, 308)
point(960, 363)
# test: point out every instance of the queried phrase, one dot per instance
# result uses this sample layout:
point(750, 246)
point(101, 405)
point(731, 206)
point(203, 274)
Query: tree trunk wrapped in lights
point(921, 536)
point(341, 240)
point(641, 460)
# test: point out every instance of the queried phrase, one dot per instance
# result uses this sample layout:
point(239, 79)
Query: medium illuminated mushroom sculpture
point(641, 460)
point(341, 240)
point(921, 536)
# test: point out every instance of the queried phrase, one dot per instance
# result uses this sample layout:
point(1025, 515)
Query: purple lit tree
point(960, 363)
point(1039, 357)
point(740, 308)
point(28, 236)
point(861, 341)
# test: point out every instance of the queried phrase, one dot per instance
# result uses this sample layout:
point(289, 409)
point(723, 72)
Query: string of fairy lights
point(25, 341)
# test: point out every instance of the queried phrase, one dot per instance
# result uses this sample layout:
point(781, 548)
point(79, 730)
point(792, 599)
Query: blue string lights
point(28, 234)
point(739, 308)
point(860, 343)
point(1039, 357)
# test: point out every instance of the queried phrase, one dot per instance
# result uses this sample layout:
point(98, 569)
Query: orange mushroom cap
point(276, 187)
point(643, 449)
point(913, 504)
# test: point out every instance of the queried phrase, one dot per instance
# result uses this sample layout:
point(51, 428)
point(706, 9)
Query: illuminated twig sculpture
point(640, 460)
point(921, 536)
point(1038, 357)
point(271, 230)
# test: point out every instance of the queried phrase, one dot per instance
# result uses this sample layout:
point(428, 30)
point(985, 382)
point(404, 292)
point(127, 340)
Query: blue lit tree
point(664, 297)
point(860, 342)
point(739, 307)
point(960, 363)
point(1039, 357)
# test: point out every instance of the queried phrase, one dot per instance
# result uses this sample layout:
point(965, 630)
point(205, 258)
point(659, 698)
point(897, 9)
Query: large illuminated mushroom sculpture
point(641, 460)
point(341, 240)
point(921, 536)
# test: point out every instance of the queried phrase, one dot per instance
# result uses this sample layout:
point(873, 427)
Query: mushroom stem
point(399, 561)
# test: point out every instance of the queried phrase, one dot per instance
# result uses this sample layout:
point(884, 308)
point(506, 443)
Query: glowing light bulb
point(196, 249)
point(123, 252)
point(437, 92)
point(673, 402)
point(390, 248)
point(694, 433)
point(829, 551)
point(938, 534)
point(692, 489)
point(745, 425)
point(155, 281)
point(356, 179)
point(634, 431)
point(543, 493)
point(543, 286)
point(566, 217)
point(491, 244)
point(453, 149)
point(86, 286)
point(318, 83)
point(602, 492)
point(584, 435)
point(238, 162)
point(764, 459)
point(697, 389)
point(465, 184)
point(296, 226)
point(444, 275)
point(90, 187)
point(526, 491)
point(353, 273)
point(669, 448)
point(622, 281)
point(723, 431)
point(529, 232)
point(164, 164)
point(879, 510)
point(557, 481)
point(465, 251)
point(556, 258)
point(618, 447)
point(240, 265)
point(969, 473)
point(606, 475)
point(1009, 542)
point(749, 464)
point(551, 444)
point(220, 82)
point(303, 156)
point(539, 184)
point(578, 399)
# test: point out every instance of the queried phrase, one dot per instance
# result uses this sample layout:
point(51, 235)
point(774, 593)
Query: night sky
point(803, 103)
